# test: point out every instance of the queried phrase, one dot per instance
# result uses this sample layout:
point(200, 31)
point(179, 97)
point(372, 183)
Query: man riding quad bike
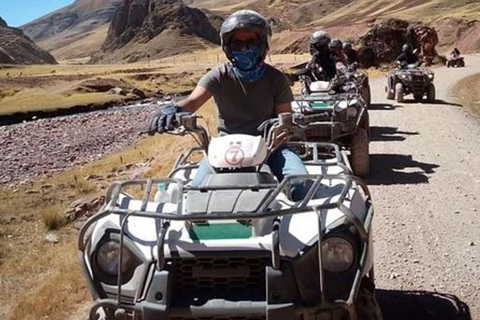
point(261, 228)
point(237, 245)
point(333, 111)
point(408, 78)
point(455, 60)
point(328, 62)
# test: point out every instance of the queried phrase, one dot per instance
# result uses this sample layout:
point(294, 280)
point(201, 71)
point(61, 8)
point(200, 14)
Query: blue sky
point(18, 12)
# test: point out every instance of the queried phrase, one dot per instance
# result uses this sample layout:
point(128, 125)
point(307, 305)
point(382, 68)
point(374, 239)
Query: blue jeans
point(282, 162)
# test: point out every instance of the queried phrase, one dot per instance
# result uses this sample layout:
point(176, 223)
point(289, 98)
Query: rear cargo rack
point(112, 207)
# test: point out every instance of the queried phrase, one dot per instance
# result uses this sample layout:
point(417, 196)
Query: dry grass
point(53, 217)
point(40, 280)
point(36, 100)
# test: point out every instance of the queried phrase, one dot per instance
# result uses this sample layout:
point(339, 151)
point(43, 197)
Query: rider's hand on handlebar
point(163, 120)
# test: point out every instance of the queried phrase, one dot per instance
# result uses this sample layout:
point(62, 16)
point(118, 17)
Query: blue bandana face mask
point(246, 65)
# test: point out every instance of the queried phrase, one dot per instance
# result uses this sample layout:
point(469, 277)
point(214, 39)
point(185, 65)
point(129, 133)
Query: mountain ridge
point(17, 48)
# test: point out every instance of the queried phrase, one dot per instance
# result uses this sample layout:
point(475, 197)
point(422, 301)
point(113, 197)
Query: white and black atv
point(236, 246)
point(340, 118)
point(410, 79)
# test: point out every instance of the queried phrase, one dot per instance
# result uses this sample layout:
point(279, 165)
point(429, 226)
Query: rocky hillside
point(17, 48)
point(74, 31)
point(157, 28)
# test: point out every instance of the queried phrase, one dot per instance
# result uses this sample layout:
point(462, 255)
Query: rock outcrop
point(384, 41)
point(17, 48)
point(149, 28)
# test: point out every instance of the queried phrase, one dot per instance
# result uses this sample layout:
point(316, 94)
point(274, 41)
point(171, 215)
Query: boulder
point(384, 41)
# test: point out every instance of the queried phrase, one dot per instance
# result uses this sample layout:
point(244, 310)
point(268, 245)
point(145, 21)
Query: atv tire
point(359, 153)
point(461, 64)
point(431, 93)
point(418, 97)
point(399, 92)
point(367, 306)
point(390, 94)
point(367, 95)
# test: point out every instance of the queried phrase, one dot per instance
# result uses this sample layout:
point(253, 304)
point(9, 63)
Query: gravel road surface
point(425, 180)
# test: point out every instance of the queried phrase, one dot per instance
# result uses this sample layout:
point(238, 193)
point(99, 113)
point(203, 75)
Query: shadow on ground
point(389, 134)
point(383, 106)
point(437, 101)
point(390, 169)
point(421, 305)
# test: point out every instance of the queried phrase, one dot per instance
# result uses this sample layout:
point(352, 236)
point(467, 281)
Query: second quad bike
point(410, 79)
point(236, 246)
point(341, 118)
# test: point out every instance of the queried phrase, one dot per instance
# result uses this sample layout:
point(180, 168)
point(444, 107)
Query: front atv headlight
point(108, 256)
point(430, 76)
point(404, 76)
point(352, 112)
point(337, 254)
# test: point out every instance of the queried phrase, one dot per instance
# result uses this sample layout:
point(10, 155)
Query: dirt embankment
point(466, 96)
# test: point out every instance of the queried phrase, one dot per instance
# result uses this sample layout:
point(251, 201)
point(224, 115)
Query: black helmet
point(247, 20)
point(320, 38)
point(407, 47)
point(347, 46)
point(336, 44)
point(319, 41)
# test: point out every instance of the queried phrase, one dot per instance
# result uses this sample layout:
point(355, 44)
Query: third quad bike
point(341, 118)
point(236, 246)
point(410, 79)
point(455, 61)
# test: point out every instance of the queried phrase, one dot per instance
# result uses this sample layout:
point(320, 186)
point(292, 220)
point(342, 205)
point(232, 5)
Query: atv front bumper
point(155, 306)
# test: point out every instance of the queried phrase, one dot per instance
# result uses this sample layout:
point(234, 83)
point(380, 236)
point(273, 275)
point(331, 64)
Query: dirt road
point(425, 161)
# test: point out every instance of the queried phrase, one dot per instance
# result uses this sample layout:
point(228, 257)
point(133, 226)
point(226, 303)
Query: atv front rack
point(349, 181)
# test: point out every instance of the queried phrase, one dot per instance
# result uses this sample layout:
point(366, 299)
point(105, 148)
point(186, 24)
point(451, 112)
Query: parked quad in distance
point(455, 61)
point(340, 118)
point(236, 246)
point(410, 79)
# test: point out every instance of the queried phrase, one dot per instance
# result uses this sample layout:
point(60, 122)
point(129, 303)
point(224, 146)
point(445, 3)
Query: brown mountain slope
point(157, 28)
point(17, 48)
point(287, 14)
point(74, 31)
point(421, 10)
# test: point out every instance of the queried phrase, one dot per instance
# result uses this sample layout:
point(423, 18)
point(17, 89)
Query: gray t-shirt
point(243, 106)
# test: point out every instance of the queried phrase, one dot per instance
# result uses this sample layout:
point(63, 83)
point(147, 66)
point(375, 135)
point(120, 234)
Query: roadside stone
point(84, 207)
point(52, 238)
point(32, 191)
point(139, 93)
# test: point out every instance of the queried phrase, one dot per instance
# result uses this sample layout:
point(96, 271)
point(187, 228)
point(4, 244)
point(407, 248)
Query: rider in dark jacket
point(322, 64)
point(407, 56)
point(352, 54)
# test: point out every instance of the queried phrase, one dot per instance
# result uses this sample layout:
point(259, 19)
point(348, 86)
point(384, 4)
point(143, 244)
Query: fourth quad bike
point(236, 246)
point(410, 79)
point(455, 61)
point(341, 118)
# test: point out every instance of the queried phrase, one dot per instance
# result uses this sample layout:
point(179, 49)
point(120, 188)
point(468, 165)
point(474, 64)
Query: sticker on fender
point(234, 156)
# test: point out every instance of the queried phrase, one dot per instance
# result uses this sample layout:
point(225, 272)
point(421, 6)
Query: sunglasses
point(239, 45)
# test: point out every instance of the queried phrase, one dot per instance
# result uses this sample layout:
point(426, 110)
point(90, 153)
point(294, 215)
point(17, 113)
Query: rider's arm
point(284, 107)
point(283, 95)
point(197, 98)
